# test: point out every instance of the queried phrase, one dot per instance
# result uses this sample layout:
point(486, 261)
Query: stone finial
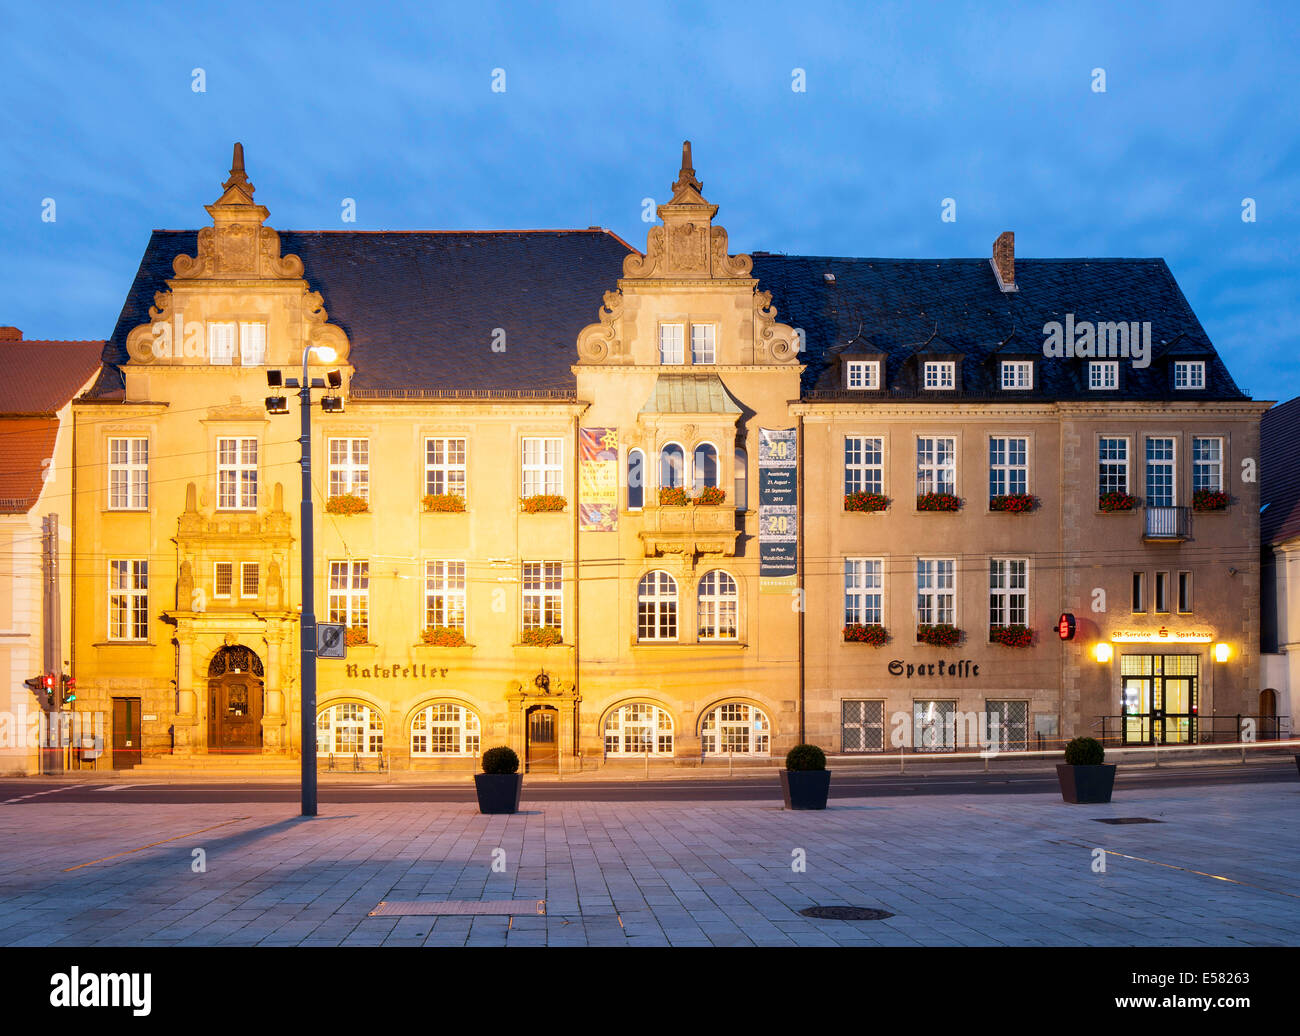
point(686, 178)
point(238, 178)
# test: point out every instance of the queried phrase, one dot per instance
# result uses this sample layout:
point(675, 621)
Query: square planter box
point(498, 792)
point(1086, 783)
point(805, 789)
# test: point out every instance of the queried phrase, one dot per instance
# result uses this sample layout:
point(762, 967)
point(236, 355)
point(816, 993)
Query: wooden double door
point(235, 714)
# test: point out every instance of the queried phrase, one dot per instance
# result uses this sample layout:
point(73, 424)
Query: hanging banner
point(778, 515)
point(598, 479)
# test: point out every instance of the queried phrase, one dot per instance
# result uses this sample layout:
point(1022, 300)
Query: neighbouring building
point(604, 505)
point(1279, 521)
point(38, 485)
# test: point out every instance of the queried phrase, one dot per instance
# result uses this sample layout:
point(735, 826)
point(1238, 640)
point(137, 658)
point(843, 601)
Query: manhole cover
point(846, 913)
point(1126, 820)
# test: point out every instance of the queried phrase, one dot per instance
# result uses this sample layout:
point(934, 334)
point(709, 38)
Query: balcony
point(691, 529)
point(1165, 524)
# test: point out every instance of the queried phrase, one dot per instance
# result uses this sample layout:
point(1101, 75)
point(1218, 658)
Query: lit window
point(671, 343)
point(1017, 374)
point(702, 344)
point(864, 591)
point(221, 342)
point(1207, 464)
point(940, 374)
point(543, 467)
point(639, 729)
point(736, 729)
point(444, 467)
point(249, 579)
point(444, 594)
point(719, 606)
point(543, 586)
point(1112, 465)
point(223, 578)
point(349, 729)
point(656, 607)
point(128, 600)
point(864, 465)
point(349, 594)
point(237, 474)
point(252, 343)
point(1189, 374)
point(936, 465)
point(862, 374)
point(1103, 374)
point(445, 729)
point(936, 595)
point(1008, 466)
point(1008, 592)
point(128, 474)
point(349, 467)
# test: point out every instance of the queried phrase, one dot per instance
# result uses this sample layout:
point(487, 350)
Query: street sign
point(1065, 626)
point(330, 641)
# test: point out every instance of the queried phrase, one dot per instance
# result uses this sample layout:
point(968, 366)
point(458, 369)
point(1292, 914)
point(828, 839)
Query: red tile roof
point(27, 443)
point(1279, 472)
point(39, 377)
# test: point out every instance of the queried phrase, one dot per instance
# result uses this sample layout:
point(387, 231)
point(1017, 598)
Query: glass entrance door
point(1176, 708)
point(1137, 710)
point(1158, 699)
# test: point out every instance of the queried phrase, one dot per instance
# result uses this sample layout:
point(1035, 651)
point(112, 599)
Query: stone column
point(185, 721)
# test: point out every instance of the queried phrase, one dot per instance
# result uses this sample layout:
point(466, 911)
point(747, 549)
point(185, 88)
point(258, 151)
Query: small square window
point(940, 374)
point(1103, 374)
point(249, 579)
point(671, 342)
point(1189, 374)
point(861, 374)
point(702, 344)
point(222, 578)
point(1017, 374)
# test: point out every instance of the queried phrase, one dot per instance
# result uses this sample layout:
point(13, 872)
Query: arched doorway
point(235, 681)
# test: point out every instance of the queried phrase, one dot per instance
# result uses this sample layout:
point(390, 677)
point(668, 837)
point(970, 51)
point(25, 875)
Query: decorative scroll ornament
point(776, 342)
point(598, 342)
point(235, 658)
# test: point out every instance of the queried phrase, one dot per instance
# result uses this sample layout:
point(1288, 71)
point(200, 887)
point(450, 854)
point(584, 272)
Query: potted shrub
point(347, 503)
point(500, 784)
point(938, 502)
point(1210, 500)
point(873, 634)
point(444, 503)
point(938, 634)
point(1013, 503)
point(805, 781)
point(865, 501)
point(1084, 777)
point(1116, 501)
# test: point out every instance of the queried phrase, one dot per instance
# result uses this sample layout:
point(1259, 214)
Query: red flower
point(865, 501)
point(1014, 503)
point(1014, 635)
point(938, 502)
point(1116, 501)
point(874, 635)
point(941, 634)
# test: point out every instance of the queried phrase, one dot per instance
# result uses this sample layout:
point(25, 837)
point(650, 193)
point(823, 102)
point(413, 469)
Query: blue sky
point(905, 105)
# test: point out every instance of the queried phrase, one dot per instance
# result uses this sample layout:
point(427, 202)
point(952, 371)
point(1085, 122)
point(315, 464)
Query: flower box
point(673, 497)
point(875, 635)
point(1013, 503)
point(347, 503)
point(938, 502)
point(940, 635)
point(541, 503)
point(711, 495)
point(1116, 501)
point(865, 501)
point(354, 636)
point(1210, 500)
point(1012, 636)
point(541, 636)
point(444, 503)
point(443, 636)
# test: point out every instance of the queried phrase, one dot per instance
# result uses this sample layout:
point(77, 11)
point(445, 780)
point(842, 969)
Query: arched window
point(719, 606)
point(736, 728)
point(639, 729)
point(706, 466)
point(672, 467)
point(656, 607)
point(742, 480)
point(445, 729)
point(635, 480)
point(349, 728)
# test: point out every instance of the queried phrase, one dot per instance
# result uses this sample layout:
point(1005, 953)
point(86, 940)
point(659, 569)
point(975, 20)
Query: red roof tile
point(40, 377)
point(27, 443)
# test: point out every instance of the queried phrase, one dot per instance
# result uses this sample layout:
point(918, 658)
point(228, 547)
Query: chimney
point(1004, 260)
point(10, 334)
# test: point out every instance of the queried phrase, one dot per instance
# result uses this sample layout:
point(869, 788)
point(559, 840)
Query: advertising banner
point(598, 479)
point(778, 515)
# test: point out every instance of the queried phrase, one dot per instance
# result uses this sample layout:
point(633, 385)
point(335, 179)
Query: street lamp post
point(276, 405)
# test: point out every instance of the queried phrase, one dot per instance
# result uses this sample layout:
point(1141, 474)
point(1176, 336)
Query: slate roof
point(690, 394)
point(1279, 472)
point(40, 377)
point(422, 309)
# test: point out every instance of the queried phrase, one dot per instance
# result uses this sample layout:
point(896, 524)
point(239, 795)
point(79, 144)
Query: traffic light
point(69, 689)
point(54, 691)
point(38, 686)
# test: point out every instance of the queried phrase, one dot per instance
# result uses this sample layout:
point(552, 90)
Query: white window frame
point(128, 599)
point(244, 568)
point(666, 483)
point(1017, 375)
point(936, 591)
point(933, 460)
point(348, 593)
point(1211, 466)
point(542, 595)
point(704, 346)
point(657, 612)
point(217, 566)
point(864, 592)
point(1103, 375)
point(444, 593)
point(1116, 463)
point(1004, 465)
point(453, 724)
point(862, 375)
point(638, 729)
point(252, 343)
point(128, 473)
point(697, 479)
point(1008, 592)
point(672, 344)
point(542, 465)
point(237, 478)
point(445, 466)
point(864, 464)
point(223, 342)
point(349, 466)
point(717, 607)
point(1169, 464)
point(349, 728)
point(939, 375)
point(1189, 375)
point(736, 728)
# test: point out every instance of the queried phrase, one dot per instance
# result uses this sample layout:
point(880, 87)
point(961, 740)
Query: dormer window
point(702, 344)
point(221, 341)
point(672, 339)
point(245, 337)
point(862, 374)
point(1103, 374)
point(1189, 374)
point(1017, 374)
point(940, 374)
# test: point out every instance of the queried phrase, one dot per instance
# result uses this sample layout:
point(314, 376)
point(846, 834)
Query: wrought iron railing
point(1166, 523)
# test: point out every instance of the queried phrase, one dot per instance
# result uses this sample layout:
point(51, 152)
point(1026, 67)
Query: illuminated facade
point(557, 509)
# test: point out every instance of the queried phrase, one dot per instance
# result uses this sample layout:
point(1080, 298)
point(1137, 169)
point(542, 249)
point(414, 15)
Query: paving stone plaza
point(953, 870)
